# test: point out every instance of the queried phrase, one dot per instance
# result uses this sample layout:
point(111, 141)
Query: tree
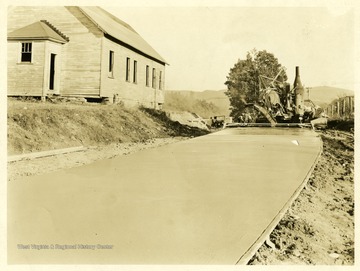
point(243, 79)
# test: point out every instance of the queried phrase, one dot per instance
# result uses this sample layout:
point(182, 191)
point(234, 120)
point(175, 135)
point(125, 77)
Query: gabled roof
point(41, 30)
point(120, 31)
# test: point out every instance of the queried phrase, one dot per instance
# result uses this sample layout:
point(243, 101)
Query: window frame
point(135, 72)
point(160, 80)
point(26, 51)
point(127, 74)
point(147, 76)
point(111, 64)
point(153, 83)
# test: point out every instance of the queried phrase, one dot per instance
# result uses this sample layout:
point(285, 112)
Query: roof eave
point(112, 38)
point(107, 35)
point(35, 39)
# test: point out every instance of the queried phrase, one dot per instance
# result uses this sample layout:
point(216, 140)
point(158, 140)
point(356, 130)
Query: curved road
point(208, 200)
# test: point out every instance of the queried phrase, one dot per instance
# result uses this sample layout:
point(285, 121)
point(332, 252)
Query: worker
point(241, 118)
point(248, 117)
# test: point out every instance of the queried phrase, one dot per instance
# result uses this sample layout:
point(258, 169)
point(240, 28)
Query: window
point(135, 72)
point(147, 75)
point(26, 51)
point(160, 80)
point(52, 71)
point(127, 69)
point(153, 78)
point(111, 64)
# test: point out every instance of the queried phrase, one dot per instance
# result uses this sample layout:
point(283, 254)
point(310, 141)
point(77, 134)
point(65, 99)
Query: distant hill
point(205, 103)
point(209, 103)
point(325, 95)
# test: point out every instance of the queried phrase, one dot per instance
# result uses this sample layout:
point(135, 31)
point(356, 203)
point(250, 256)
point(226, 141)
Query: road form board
point(202, 201)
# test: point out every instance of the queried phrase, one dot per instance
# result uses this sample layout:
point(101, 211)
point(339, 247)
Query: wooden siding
point(25, 78)
point(127, 91)
point(80, 65)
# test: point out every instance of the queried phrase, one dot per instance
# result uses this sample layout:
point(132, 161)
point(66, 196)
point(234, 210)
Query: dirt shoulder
point(319, 226)
point(52, 163)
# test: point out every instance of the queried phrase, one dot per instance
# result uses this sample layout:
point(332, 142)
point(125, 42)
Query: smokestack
point(299, 94)
point(297, 82)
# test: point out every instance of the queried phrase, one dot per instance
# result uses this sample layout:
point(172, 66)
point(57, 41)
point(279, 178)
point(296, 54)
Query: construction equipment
point(280, 104)
point(217, 121)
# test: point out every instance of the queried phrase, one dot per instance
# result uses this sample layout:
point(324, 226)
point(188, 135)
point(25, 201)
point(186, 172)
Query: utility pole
point(308, 92)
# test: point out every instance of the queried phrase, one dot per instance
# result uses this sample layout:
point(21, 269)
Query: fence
point(342, 108)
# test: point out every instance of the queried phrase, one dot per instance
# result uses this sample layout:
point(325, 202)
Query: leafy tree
point(243, 79)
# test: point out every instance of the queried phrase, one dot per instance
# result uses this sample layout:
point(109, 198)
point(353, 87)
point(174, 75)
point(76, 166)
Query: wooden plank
point(34, 155)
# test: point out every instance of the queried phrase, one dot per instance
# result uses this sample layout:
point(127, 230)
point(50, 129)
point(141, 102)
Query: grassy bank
point(36, 126)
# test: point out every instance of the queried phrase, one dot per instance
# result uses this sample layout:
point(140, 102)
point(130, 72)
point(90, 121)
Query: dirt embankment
point(34, 126)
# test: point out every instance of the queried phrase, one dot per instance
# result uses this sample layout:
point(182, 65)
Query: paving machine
point(282, 106)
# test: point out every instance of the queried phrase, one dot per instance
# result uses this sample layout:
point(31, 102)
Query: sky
point(203, 39)
point(202, 42)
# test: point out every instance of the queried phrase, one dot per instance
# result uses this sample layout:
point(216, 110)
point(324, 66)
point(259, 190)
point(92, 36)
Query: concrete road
point(202, 201)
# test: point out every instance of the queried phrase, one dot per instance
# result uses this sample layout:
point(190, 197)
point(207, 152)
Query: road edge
point(246, 257)
point(34, 155)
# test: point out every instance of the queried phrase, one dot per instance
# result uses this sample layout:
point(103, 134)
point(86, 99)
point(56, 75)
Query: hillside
point(214, 102)
point(205, 103)
point(324, 95)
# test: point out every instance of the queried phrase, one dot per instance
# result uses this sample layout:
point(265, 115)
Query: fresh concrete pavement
point(208, 200)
